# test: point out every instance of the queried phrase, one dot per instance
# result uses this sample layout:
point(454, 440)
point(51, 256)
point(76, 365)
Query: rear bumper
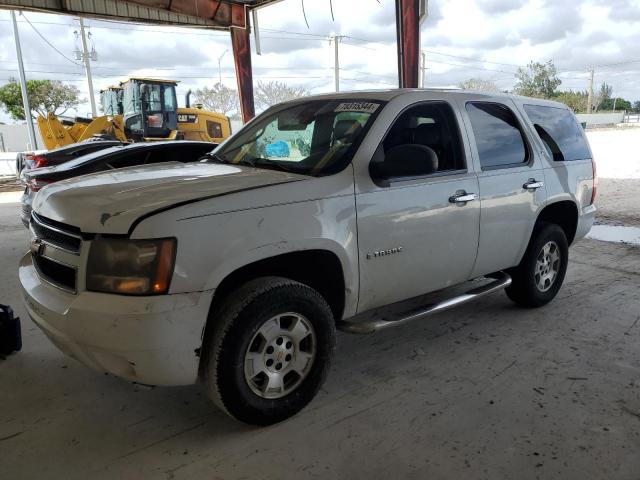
point(150, 340)
point(585, 222)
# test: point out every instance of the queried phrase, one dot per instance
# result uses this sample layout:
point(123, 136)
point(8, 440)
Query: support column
point(408, 32)
point(242, 60)
point(23, 86)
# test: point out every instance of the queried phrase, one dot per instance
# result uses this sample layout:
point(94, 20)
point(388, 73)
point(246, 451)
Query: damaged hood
point(110, 202)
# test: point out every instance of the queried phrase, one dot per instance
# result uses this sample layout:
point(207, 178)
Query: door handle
point(532, 185)
point(462, 197)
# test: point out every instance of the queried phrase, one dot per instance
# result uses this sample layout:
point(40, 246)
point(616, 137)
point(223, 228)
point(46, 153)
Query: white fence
point(597, 119)
point(15, 138)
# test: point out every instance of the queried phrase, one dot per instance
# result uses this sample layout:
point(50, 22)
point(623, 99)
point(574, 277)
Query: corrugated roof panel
point(194, 13)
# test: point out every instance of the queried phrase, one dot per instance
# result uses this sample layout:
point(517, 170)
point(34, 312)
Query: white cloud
point(497, 34)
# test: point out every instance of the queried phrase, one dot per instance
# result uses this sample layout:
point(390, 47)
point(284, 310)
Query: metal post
point(615, 99)
point(242, 58)
point(256, 31)
point(424, 69)
point(336, 61)
point(23, 85)
point(590, 97)
point(408, 33)
point(87, 68)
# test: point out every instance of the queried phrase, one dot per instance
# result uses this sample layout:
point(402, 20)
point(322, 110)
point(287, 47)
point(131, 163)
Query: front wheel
point(538, 278)
point(268, 350)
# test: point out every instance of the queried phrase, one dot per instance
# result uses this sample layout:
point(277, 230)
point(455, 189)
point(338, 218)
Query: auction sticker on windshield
point(364, 107)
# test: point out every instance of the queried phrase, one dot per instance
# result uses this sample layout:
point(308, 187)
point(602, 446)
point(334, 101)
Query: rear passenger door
point(511, 186)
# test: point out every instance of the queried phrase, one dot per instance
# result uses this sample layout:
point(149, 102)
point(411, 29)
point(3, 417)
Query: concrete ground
point(485, 391)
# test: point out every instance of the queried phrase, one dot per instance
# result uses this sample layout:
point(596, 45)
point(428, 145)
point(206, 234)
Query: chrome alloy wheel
point(280, 355)
point(547, 266)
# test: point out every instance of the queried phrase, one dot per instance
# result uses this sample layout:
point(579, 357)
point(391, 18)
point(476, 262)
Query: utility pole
point(219, 69)
point(87, 68)
point(336, 61)
point(23, 85)
point(423, 68)
point(590, 97)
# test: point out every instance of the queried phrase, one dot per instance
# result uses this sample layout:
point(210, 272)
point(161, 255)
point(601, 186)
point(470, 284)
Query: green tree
point(271, 93)
point(537, 80)
point(602, 95)
point(636, 106)
point(479, 84)
point(44, 96)
point(219, 98)
point(576, 101)
point(620, 104)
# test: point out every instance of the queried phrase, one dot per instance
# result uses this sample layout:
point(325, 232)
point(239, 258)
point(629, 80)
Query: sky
point(462, 39)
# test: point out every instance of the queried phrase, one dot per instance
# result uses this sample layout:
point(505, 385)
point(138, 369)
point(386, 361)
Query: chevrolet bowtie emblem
point(36, 246)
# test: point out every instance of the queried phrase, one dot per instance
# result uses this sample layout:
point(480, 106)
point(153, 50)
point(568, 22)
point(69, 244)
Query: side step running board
point(501, 280)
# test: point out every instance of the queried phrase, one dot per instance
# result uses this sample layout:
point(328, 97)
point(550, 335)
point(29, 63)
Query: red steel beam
point(224, 13)
point(242, 59)
point(408, 31)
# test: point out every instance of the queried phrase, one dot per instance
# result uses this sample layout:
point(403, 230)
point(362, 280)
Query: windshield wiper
point(277, 166)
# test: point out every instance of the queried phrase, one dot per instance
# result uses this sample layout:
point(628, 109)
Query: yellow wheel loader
point(138, 110)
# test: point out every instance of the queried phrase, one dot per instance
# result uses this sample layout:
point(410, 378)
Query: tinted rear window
point(559, 131)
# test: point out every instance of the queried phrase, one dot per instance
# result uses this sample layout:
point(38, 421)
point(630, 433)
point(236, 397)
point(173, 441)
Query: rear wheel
point(268, 350)
point(538, 278)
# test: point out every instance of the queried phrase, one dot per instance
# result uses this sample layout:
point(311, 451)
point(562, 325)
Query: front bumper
point(151, 340)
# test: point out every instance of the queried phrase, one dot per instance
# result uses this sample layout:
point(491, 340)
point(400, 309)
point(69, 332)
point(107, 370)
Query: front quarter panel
point(218, 236)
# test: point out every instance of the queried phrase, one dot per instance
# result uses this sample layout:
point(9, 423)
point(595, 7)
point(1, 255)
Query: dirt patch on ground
point(618, 202)
point(10, 184)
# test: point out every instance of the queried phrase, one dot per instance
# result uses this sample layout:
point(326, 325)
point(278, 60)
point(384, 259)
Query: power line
point(48, 42)
point(475, 60)
point(313, 37)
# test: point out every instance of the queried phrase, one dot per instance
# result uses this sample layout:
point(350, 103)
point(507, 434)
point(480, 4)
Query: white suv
point(236, 271)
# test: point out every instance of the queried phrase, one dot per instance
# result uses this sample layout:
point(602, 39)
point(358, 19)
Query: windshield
point(131, 99)
point(89, 157)
point(109, 102)
point(317, 137)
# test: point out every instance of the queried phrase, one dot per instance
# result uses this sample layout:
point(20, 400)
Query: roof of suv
point(389, 94)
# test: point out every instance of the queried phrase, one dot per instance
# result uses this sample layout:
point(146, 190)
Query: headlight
point(131, 267)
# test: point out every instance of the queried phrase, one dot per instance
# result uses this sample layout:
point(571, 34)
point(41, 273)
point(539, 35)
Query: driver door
point(418, 233)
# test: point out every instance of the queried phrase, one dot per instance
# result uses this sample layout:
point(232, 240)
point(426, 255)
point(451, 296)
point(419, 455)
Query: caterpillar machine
point(138, 110)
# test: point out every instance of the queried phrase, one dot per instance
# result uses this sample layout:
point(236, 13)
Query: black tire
point(231, 329)
point(19, 163)
point(524, 289)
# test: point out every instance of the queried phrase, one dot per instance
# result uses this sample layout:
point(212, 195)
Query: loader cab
point(150, 108)
point(111, 101)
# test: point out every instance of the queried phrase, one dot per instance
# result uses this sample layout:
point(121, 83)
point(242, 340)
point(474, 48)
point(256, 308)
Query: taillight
point(39, 162)
point(36, 184)
point(594, 190)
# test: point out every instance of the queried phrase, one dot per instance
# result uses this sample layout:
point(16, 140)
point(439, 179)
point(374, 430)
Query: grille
point(62, 276)
point(56, 234)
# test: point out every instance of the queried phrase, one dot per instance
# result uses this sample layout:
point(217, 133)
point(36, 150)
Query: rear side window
point(499, 139)
point(561, 134)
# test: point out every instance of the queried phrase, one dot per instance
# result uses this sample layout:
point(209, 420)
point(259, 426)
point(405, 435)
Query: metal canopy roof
point(214, 14)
